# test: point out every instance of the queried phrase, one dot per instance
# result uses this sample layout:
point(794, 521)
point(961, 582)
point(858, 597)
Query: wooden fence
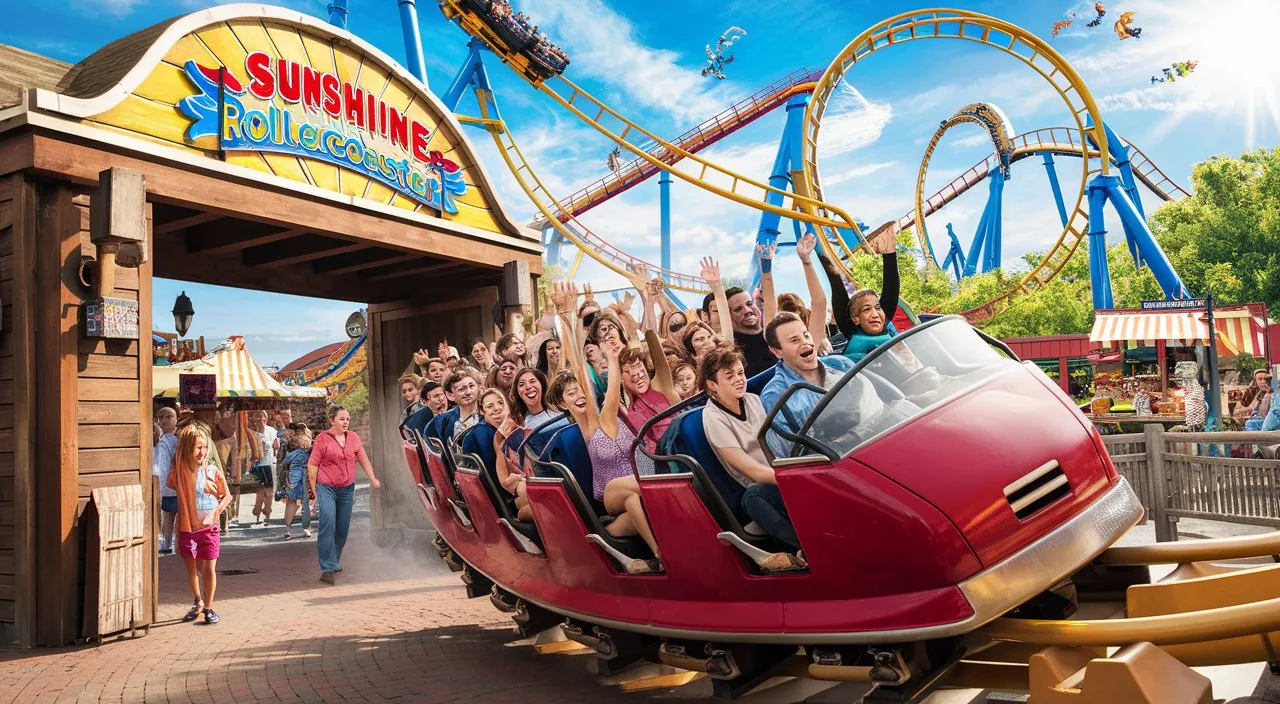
point(1176, 475)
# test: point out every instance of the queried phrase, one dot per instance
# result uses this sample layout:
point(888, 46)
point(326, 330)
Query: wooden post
point(1064, 378)
point(23, 332)
point(1159, 488)
point(1162, 361)
point(57, 240)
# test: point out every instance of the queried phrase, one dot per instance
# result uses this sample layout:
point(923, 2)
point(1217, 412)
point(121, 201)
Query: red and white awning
point(1124, 326)
point(1239, 329)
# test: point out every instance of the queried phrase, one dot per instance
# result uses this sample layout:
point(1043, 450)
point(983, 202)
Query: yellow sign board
point(296, 99)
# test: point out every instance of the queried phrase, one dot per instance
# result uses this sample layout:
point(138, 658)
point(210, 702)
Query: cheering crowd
point(610, 372)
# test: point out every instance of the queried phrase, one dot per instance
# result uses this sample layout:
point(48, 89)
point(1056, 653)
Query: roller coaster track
point(1060, 141)
point(691, 167)
point(1002, 36)
point(707, 133)
point(807, 204)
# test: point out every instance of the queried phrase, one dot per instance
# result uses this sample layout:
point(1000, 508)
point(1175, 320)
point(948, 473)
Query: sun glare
point(1237, 75)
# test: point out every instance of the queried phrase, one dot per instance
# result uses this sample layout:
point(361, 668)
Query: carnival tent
point(238, 376)
point(1240, 329)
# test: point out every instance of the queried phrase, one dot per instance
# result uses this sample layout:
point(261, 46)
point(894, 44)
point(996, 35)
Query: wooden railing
point(1176, 476)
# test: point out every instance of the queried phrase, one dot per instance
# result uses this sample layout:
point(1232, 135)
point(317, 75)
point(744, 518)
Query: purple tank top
point(609, 459)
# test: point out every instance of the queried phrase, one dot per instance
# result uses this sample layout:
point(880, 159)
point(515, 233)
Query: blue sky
point(646, 62)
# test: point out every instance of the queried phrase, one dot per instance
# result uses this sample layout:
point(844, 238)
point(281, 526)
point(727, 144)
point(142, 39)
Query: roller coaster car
point(516, 39)
point(938, 485)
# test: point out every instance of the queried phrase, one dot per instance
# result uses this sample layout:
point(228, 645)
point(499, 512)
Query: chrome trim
point(544, 480)
point(459, 469)
point(992, 592)
point(801, 459)
point(1053, 557)
point(1053, 485)
point(429, 495)
point(1031, 476)
point(667, 476)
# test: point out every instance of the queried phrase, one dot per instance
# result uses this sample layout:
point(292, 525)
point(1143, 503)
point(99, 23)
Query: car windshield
point(917, 370)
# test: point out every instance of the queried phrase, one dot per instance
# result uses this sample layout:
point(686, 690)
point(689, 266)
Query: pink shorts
point(200, 545)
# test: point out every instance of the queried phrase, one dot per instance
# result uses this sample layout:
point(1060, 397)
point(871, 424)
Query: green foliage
point(1247, 364)
point(356, 400)
point(1225, 239)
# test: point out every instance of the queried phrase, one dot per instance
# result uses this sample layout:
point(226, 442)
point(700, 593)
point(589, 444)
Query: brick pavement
point(395, 628)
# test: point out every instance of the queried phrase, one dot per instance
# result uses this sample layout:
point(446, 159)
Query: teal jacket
point(861, 343)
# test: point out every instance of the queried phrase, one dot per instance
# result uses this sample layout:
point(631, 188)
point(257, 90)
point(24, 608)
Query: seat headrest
point(757, 383)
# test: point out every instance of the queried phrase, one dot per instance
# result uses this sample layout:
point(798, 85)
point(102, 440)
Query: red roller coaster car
point(939, 485)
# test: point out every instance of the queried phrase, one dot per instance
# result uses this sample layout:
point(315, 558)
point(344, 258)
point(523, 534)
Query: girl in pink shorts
point(202, 496)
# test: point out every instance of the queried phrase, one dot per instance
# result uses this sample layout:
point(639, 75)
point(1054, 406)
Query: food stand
point(1171, 329)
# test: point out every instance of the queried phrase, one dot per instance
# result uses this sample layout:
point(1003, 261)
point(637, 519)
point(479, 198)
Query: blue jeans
point(763, 504)
point(335, 519)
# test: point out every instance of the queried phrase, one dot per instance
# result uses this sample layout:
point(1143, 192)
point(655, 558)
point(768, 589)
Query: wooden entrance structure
point(395, 211)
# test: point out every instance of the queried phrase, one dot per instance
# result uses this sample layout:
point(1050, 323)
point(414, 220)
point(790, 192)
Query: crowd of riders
point(519, 23)
point(611, 368)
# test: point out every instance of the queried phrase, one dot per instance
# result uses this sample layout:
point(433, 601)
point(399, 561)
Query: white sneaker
point(306, 533)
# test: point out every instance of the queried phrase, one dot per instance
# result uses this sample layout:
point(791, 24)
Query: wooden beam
point(187, 186)
point(184, 223)
point(234, 239)
point(346, 266)
point(286, 253)
point(172, 261)
point(23, 335)
point(57, 330)
point(412, 271)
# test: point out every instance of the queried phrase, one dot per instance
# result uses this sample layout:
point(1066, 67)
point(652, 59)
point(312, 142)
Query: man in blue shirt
point(789, 339)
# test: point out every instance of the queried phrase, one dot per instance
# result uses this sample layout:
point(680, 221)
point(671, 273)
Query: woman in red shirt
point(331, 476)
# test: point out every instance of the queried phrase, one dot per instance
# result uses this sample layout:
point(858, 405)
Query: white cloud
point(852, 122)
point(603, 45)
point(1158, 97)
point(973, 140)
point(855, 172)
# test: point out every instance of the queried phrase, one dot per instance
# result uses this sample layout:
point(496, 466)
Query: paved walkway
point(394, 628)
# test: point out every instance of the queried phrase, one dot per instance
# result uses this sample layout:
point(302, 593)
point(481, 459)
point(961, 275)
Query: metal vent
point(1037, 489)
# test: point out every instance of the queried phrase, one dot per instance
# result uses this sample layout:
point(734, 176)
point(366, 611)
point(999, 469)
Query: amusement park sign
point(288, 107)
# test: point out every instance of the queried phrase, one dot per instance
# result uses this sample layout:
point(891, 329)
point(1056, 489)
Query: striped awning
point(1239, 329)
point(238, 376)
point(1119, 326)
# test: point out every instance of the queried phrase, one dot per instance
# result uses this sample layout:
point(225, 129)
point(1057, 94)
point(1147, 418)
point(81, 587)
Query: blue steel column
point(1147, 246)
point(975, 249)
point(664, 219)
point(780, 176)
point(1057, 189)
point(1099, 271)
point(414, 61)
point(995, 204)
point(338, 13)
point(466, 76)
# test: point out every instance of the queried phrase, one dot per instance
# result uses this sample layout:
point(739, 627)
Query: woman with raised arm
point(608, 440)
point(647, 394)
point(716, 304)
point(865, 323)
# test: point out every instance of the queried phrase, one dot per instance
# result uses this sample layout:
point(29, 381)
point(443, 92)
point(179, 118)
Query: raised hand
point(765, 252)
point(638, 276)
point(563, 296)
point(884, 240)
point(421, 357)
point(442, 350)
point(805, 247)
point(586, 291)
point(710, 270)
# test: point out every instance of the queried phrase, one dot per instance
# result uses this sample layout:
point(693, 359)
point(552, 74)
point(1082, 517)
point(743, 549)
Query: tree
point(1225, 239)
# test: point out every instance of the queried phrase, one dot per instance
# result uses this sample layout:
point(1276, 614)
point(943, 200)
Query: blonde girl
point(203, 495)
